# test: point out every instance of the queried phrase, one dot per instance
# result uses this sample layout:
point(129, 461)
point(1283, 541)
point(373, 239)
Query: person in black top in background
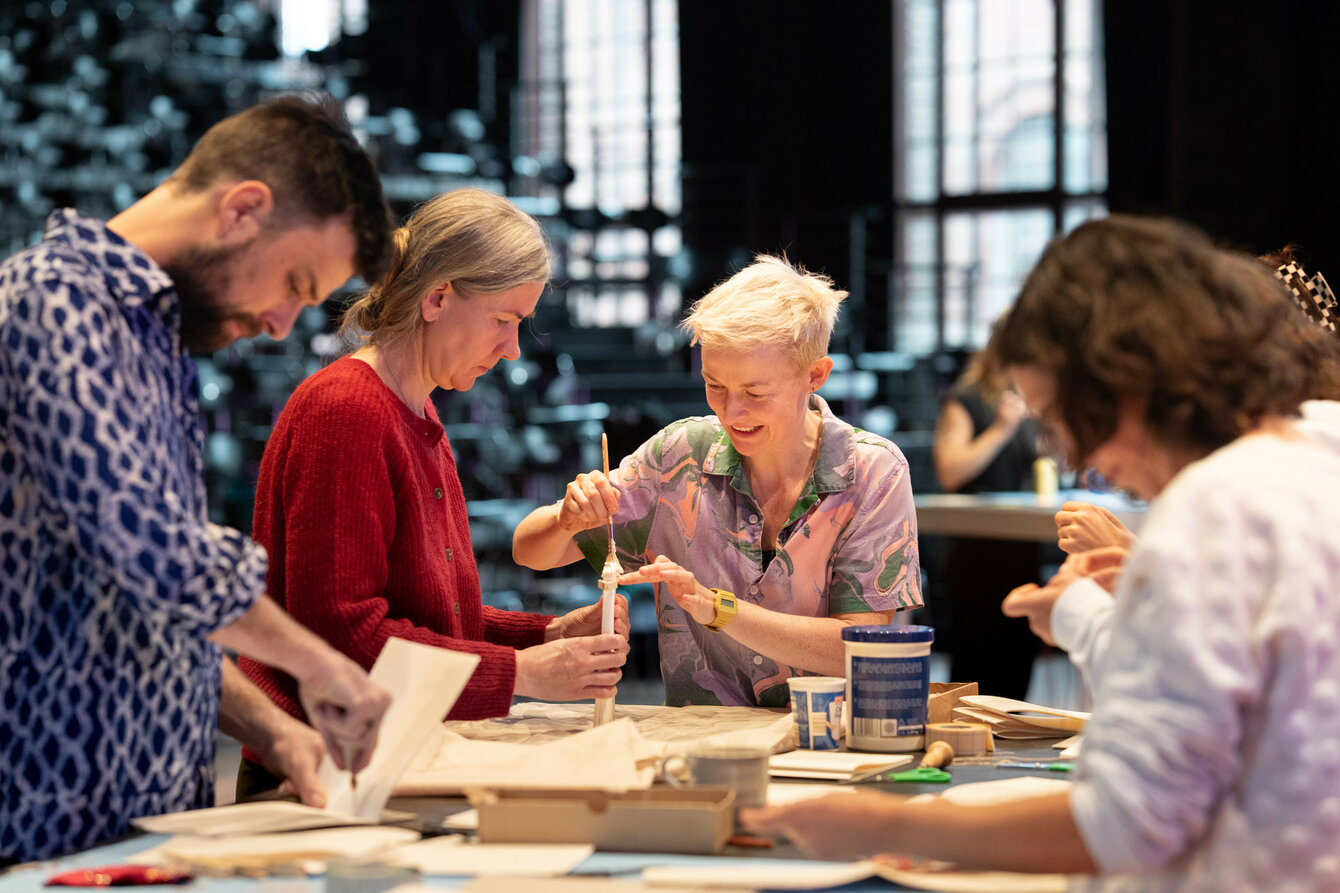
point(984, 442)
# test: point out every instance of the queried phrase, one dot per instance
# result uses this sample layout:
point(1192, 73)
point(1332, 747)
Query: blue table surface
point(31, 878)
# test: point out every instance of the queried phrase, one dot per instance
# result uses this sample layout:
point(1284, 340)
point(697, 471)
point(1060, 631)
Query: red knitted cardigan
point(362, 512)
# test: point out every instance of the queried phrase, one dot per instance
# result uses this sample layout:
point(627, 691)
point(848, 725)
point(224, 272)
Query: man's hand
point(295, 755)
point(346, 707)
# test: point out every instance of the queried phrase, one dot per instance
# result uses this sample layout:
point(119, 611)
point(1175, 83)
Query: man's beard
point(202, 277)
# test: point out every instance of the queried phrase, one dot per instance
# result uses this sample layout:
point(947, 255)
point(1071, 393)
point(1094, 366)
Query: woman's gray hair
point(769, 302)
point(478, 241)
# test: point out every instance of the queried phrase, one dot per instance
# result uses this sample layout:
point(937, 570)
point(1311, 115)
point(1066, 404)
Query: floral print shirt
point(849, 546)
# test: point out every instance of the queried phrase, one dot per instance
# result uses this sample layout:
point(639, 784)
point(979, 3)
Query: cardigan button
point(456, 609)
point(437, 492)
point(448, 554)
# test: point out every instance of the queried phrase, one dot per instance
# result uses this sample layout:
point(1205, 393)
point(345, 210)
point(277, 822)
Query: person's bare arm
point(290, 749)
point(959, 456)
point(544, 539)
point(807, 643)
point(1036, 834)
point(343, 704)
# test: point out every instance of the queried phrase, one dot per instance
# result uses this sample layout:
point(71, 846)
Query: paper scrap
point(835, 765)
point(424, 682)
point(446, 856)
point(1010, 718)
point(264, 852)
point(611, 757)
point(784, 875)
point(673, 728)
point(247, 818)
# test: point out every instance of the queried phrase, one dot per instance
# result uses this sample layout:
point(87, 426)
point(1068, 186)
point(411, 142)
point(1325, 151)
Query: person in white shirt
point(1161, 362)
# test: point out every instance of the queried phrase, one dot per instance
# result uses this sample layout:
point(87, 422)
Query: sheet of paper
point(833, 764)
point(1003, 790)
point(247, 818)
point(783, 794)
point(447, 856)
point(785, 875)
point(424, 683)
point(578, 884)
point(950, 880)
point(610, 757)
point(1026, 713)
point(672, 728)
point(263, 851)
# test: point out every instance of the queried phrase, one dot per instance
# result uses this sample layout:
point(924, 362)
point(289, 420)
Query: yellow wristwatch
point(727, 607)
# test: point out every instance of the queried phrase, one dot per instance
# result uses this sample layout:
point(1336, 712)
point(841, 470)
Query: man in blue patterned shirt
point(116, 592)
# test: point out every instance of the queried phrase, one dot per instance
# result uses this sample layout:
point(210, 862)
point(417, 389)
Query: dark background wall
point(788, 141)
point(1221, 113)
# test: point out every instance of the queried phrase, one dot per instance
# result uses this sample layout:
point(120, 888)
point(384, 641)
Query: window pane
point(913, 286)
point(987, 255)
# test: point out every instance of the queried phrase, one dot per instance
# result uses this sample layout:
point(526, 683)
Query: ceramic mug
point(743, 768)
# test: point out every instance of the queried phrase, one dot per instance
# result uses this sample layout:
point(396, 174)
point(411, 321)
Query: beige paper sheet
point(553, 745)
point(448, 856)
point(247, 818)
point(260, 852)
point(424, 683)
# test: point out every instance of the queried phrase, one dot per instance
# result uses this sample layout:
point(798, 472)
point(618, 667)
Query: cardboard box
point(659, 820)
point(943, 698)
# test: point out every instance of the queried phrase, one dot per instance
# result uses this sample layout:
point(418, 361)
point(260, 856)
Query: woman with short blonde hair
point(766, 527)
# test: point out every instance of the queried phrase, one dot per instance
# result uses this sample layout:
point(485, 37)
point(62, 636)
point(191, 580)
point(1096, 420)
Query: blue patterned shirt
point(111, 575)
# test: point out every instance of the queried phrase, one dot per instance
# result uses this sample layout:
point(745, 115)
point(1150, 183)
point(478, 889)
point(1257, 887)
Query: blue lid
point(889, 634)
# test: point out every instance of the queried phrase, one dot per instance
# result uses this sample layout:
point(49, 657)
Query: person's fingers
point(1107, 578)
point(1105, 557)
point(605, 643)
point(763, 820)
point(1014, 604)
point(304, 784)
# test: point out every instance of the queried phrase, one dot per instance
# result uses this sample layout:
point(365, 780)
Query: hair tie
point(1312, 294)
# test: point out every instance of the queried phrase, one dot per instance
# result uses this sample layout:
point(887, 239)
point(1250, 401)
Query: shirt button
point(456, 609)
point(753, 590)
point(437, 492)
point(758, 659)
point(753, 519)
point(448, 554)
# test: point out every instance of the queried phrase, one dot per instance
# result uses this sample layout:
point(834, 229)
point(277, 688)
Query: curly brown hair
point(1142, 307)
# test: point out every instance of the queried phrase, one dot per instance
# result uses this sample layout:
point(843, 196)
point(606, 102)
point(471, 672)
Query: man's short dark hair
point(302, 148)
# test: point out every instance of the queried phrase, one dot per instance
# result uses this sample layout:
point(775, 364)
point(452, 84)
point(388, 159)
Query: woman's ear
point(434, 304)
point(819, 373)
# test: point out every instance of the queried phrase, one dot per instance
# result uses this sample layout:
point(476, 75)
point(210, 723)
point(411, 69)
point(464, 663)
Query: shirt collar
point(834, 470)
point(132, 276)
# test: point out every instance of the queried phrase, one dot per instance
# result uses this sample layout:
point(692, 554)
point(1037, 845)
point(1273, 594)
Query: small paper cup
point(817, 704)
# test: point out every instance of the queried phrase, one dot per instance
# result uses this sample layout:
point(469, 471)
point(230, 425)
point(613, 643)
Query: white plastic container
point(888, 685)
point(816, 705)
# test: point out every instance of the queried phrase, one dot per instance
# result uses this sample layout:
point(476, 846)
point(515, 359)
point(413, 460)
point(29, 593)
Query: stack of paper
point(1009, 718)
point(833, 765)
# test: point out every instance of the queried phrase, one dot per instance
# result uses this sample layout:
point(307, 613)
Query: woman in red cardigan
point(359, 503)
